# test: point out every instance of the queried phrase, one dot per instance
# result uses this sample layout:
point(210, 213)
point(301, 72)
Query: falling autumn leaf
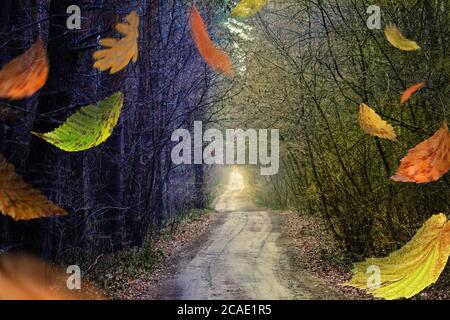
point(19, 200)
point(372, 123)
point(396, 38)
point(214, 57)
point(428, 161)
point(27, 278)
point(411, 90)
point(87, 128)
point(25, 74)
point(248, 8)
point(409, 270)
point(120, 52)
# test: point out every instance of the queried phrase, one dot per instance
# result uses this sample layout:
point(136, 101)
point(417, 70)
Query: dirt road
point(241, 261)
point(241, 257)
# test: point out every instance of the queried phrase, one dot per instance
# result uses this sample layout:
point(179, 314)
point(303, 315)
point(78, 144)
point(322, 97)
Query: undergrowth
point(112, 272)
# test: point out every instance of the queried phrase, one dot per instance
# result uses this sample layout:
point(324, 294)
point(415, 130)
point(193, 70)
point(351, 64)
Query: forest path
point(242, 256)
point(242, 260)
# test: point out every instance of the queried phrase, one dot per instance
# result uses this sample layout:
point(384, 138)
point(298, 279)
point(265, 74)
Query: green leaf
point(89, 127)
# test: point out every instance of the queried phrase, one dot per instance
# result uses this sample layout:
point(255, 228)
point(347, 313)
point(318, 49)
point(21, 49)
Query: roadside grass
point(171, 225)
point(113, 272)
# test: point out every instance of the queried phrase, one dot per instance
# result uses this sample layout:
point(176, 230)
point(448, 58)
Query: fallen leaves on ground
point(171, 242)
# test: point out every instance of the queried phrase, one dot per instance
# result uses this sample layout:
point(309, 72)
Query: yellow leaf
point(248, 8)
point(120, 51)
point(372, 123)
point(19, 200)
point(409, 270)
point(396, 38)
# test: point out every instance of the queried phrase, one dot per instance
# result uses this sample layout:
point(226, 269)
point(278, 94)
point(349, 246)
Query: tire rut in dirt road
point(244, 255)
point(242, 259)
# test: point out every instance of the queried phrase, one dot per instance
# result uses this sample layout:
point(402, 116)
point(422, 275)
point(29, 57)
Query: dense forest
point(305, 67)
point(317, 61)
point(123, 190)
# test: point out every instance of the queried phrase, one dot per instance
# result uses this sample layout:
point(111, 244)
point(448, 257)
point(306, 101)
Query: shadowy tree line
point(126, 189)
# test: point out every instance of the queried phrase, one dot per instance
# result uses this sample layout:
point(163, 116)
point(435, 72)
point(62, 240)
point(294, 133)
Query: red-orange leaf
point(25, 74)
point(411, 90)
point(214, 57)
point(428, 161)
point(27, 278)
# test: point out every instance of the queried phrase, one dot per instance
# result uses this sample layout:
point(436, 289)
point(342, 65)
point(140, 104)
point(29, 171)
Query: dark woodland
point(123, 191)
point(302, 66)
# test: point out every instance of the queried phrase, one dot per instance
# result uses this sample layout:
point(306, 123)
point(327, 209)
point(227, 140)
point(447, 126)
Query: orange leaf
point(428, 161)
point(27, 278)
point(214, 57)
point(19, 200)
point(25, 74)
point(410, 91)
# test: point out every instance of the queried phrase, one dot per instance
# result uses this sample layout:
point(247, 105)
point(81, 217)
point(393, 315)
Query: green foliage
point(307, 74)
point(137, 261)
point(113, 272)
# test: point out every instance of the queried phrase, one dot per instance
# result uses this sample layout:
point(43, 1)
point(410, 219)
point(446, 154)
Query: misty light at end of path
point(236, 181)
